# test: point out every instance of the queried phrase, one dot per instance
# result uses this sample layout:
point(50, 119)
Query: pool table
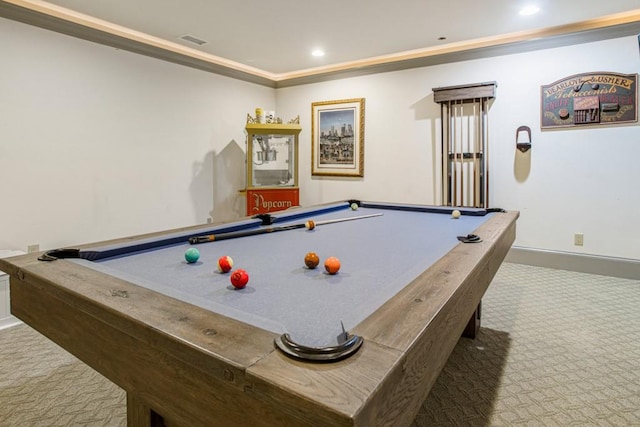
point(190, 349)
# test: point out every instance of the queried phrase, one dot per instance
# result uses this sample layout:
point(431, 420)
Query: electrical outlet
point(578, 239)
point(33, 248)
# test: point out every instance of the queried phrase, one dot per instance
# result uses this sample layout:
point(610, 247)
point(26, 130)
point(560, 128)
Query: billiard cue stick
point(444, 171)
point(452, 125)
point(455, 153)
point(476, 136)
point(310, 224)
point(485, 136)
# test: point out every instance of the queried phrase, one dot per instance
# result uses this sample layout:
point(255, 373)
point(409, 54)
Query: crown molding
point(45, 15)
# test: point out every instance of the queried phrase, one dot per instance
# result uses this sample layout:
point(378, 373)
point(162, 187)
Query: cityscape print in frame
point(337, 138)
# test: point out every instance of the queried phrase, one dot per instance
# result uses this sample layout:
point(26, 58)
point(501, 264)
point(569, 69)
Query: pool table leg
point(140, 415)
point(472, 328)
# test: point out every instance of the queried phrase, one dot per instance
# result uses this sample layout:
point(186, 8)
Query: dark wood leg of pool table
point(472, 328)
point(140, 415)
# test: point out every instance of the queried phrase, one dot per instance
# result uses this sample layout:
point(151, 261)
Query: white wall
point(572, 181)
point(99, 143)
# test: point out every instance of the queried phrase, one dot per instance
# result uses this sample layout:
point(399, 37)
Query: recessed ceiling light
point(318, 52)
point(529, 10)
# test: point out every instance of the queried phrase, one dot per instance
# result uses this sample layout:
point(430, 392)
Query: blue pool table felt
point(379, 256)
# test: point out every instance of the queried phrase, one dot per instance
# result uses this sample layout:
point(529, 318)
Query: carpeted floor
point(556, 348)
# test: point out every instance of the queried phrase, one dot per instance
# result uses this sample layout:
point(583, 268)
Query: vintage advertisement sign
point(598, 98)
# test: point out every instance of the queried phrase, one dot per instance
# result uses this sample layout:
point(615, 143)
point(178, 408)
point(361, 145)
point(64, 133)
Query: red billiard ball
point(225, 264)
point(332, 265)
point(311, 260)
point(239, 278)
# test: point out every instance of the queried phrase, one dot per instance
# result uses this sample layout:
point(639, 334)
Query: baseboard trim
point(593, 264)
point(9, 322)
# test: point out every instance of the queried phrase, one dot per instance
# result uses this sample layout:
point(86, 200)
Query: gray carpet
point(556, 348)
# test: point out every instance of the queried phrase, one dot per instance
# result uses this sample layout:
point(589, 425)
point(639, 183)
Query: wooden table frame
point(195, 367)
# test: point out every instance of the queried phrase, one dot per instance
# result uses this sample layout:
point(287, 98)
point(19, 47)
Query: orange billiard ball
point(332, 265)
point(311, 260)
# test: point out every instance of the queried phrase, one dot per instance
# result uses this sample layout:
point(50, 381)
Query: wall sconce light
point(523, 146)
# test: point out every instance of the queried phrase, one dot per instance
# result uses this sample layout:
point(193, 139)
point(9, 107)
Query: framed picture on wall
point(337, 138)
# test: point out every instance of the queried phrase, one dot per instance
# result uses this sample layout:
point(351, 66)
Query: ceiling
point(273, 40)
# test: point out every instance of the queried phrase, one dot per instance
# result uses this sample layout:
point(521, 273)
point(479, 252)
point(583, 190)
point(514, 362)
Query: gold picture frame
point(337, 138)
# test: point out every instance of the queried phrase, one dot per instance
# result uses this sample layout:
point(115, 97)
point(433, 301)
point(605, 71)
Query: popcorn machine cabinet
point(272, 167)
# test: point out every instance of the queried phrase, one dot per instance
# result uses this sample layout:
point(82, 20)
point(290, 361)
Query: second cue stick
point(244, 233)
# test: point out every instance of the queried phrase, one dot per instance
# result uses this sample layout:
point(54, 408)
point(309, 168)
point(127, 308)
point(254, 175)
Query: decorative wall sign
point(598, 98)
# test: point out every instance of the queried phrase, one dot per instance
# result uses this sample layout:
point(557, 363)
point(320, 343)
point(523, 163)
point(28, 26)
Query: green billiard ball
point(192, 255)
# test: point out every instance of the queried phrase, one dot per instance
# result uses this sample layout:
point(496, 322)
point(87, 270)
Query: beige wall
point(572, 181)
point(99, 143)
